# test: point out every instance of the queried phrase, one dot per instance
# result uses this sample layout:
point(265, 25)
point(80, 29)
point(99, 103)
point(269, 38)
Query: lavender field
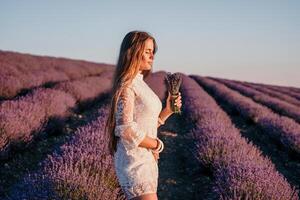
point(234, 139)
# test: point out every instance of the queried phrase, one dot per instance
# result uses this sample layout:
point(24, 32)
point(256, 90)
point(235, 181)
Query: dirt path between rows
point(180, 175)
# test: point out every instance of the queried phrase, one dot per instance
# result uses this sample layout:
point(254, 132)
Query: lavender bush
point(287, 92)
point(286, 88)
point(273, 93)
point(81, 169)
point(8, 69)
point(27, 63)
point(21, 118)
point(9, 86)
point(28, 71)
point(282, 129)
point(291, 91)
point(283, 88)
point(239, 169)
point(275, 104)
point(86, 88)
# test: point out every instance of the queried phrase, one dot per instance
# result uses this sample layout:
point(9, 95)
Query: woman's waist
point(146, 121)
point(149, 129)
point(136, 153)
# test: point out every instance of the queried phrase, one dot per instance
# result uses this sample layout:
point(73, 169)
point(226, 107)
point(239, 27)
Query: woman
point(135, 114)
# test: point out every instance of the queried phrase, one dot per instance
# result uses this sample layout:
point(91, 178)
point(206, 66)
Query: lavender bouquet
point(174, 82)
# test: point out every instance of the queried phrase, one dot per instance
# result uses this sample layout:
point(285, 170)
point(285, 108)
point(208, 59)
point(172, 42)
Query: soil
point(180, 174)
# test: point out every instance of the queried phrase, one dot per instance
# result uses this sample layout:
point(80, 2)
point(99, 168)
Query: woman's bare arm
point(149, 143)
point(158, 124)
point(164, 115)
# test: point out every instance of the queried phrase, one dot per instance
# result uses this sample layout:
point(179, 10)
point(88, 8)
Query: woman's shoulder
point(132, 88)
point(137, 86)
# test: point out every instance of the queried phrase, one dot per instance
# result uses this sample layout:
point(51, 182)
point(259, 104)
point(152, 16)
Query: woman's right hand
point(178, 102)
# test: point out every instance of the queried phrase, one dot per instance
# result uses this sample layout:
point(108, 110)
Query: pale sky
point(256, 41)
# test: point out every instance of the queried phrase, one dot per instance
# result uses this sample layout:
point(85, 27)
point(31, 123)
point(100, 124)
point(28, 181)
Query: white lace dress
point(137, 114)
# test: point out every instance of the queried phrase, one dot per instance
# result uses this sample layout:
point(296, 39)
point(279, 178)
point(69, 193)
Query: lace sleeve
point(126, 128)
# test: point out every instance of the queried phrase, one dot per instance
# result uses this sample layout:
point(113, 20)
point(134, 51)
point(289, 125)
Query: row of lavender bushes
point(280, 88)
point(80, 169)
point(239, 169)
point(16, 64)
point(87, 88)
point(271, 92)
point(281, 128)
point(287, 91)
point(24, 71)
point(278, 105)
point(23, 119)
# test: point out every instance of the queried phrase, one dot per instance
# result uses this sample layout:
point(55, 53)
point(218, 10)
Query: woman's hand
point(156, 155)
point(177, 102)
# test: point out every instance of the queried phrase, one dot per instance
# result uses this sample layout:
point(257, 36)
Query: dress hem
point(139, 189)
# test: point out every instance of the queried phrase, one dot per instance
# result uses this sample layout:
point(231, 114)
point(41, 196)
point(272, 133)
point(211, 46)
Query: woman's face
point(148, 56)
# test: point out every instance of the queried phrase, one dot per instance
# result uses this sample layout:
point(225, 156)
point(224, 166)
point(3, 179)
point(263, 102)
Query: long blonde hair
point(127, 67)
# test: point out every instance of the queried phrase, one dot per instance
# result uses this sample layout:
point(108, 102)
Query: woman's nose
point(152, 56)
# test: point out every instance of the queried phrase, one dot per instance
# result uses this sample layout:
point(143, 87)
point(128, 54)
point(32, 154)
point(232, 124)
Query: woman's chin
point(147, 68)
